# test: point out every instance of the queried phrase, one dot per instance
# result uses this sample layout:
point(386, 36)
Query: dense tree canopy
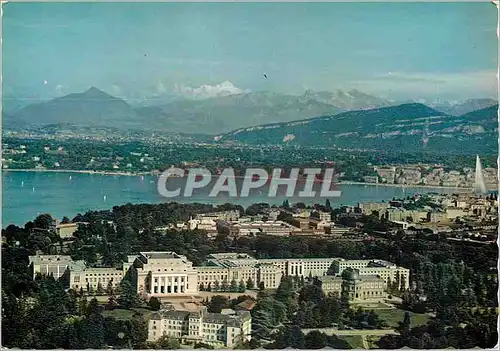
point(453, 280)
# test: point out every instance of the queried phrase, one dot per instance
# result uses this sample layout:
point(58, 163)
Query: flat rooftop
point(231, 256)
point(160, 255)
point(50, 258)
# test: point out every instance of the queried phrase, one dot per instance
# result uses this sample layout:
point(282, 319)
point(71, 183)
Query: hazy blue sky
point(395, 50)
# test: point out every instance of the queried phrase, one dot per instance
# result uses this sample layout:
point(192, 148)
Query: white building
point(207, 224)
point(163, 274)
point(223, 268)
point(325, 216)
point(278, 228)
point(93, 278)
point(194, 324)
point(66, 230)
point(228, 216)
point(54, 265)
point(388, 271)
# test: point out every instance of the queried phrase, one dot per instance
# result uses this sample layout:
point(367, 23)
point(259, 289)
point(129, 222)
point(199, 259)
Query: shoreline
point(128, 174)
point(137, 174)
point(407, 185)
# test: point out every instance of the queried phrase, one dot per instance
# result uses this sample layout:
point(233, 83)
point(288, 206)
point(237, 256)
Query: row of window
point(95, 280)
point(215, 277)
point(169, 279)
point(373, 285)
point(172, 270)
point(103, 274)
point(170, 321)
point(169, 334)
point(169, 289)
point(173, 323)
point(329, 286)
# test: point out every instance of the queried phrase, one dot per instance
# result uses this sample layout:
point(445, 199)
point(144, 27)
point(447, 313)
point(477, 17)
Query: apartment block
point(194, 324)
point(278, 228)
point(229, 216)
point(387, 174)
point(368, 208)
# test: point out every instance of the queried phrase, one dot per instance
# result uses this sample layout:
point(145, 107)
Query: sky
point(145, 50)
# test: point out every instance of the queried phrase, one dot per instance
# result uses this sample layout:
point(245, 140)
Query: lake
point(27, 194)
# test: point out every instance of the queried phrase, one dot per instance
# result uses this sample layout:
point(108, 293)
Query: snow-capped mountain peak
point(206, 91)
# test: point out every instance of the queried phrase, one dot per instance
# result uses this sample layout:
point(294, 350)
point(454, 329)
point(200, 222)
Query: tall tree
point(234, 286)
point(138, 331)
point(315, 340)
point(92, 330)
point(128, 296)
point(242, 287)
point(109, 288)
point(404, 326)
point(154, 303)
point(217, 303)
point(290, 336)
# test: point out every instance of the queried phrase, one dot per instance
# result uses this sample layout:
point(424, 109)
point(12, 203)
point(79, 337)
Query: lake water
point(27, 194)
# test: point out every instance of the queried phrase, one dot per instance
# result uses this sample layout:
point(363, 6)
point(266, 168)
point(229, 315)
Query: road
point(365, 332)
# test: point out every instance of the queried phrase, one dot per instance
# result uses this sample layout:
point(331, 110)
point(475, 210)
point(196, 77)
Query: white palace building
point(164, 274)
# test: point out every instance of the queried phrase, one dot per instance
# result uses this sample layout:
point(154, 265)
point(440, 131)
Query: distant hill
point(257, 117)
point(90, 108)
point(209, 116)
point(11, 122)
point(214, 115)
point(351, 100)
point(223, 114)
point(464, 107)
point(485, 115)
point(396, 127)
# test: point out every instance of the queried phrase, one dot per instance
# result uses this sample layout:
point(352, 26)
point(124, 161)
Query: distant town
point(138, 158)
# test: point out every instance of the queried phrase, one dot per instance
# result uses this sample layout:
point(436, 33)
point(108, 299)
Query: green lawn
point(355, 341)
point(394, 315)
point(126, 314)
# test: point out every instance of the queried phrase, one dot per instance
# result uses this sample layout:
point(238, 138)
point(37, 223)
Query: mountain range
point(219, 114)
point(350, 100)
point(225, 113)
point(349, 119)
point(399, 127)
point(461, 108)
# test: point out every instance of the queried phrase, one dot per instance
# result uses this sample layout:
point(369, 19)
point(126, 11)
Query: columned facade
point(169, 284)
point(165, 274)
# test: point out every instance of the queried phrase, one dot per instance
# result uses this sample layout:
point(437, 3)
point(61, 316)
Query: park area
point(123, 314)
point(392, 316)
